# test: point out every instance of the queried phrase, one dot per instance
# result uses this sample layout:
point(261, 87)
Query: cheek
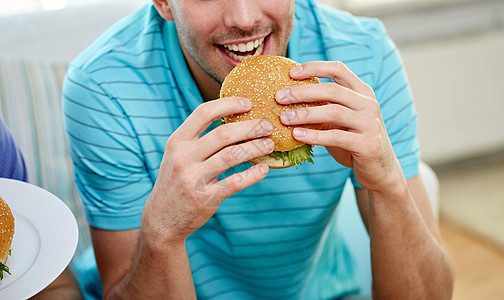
point(280, 11)
point(199, 22)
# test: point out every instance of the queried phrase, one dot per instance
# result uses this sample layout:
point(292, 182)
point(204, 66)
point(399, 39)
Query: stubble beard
point(204, 59)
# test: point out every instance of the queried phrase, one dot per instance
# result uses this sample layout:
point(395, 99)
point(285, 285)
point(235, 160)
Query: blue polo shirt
point(130, 90)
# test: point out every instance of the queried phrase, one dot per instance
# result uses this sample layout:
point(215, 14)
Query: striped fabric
point(131, 89)
point(30, 96)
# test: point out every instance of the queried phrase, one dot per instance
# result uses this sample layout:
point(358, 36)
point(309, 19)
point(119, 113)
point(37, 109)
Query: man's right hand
point(152, 262)
point(187, 192)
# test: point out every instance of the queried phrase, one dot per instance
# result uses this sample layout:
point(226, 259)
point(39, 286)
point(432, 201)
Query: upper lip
point(244, 41)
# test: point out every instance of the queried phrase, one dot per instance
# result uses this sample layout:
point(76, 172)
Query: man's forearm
point(157, 272)
point(408, 261)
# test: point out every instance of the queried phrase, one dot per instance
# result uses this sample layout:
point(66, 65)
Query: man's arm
point(130, 268)
point(407, 255)
point(151, 262)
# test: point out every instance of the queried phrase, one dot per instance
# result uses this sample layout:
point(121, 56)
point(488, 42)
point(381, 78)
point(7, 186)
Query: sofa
point(30, 97)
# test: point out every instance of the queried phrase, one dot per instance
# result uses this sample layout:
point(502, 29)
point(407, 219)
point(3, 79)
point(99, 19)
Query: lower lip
point(233, 62)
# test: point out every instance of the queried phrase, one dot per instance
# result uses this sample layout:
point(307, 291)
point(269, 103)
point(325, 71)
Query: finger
point(237, 154)
point(229, 134)
point(201, 118)
point(333, 114)
point(329, 92)
point(230, 185)
point(343, 139)
point(335, 70)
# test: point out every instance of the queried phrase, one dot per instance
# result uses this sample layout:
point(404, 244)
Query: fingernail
point(245, 102)
point(287, 116)
point(268, 144)
point(299, 132)
point(267, 126)
point(264, 169)
point(296, 70)
point(282, 94)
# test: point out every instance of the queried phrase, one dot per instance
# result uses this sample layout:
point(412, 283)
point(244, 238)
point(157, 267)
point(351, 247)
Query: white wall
point(453, 52)
point(60, 34)
point(458, 85)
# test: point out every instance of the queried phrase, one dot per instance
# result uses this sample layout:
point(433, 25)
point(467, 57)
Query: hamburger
point(259, 78)
point(6, 234)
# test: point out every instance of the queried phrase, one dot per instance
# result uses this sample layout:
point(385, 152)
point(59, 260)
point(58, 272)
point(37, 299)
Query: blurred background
point(453, 51)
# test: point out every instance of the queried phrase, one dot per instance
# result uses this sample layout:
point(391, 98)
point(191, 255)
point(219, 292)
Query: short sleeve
point(107, 159)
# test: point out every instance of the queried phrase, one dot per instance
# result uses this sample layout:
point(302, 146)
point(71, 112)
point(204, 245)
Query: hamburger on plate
point(6, 235)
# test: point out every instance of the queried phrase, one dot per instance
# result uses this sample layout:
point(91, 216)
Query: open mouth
point(242, 51)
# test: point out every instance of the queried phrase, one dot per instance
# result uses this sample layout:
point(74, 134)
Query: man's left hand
point(354, 132)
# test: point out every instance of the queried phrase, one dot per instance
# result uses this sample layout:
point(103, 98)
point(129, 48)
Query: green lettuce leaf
point(2, 269)
point(295, 156)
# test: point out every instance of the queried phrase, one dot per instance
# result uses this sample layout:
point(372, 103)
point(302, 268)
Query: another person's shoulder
point(12, 164)
point(123, 42)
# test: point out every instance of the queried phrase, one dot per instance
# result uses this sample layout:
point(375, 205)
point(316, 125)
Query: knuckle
point(377, 122)
point(170, 146)
point(335, 88)
point(228, 158)
point(374, 107)
point(257, 128)
point(296, 94)
point(341, 139)
point(334, 112)
point(186, 181)
point(376, 125)
point(369, 92)
point(232, 186)
point(338, 65)
point(178, 164)
point(374, 144)
point(223, 133)
point(315, 135)
point(203, 110)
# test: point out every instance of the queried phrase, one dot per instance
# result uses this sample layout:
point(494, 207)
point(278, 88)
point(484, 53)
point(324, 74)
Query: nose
point(243, 14)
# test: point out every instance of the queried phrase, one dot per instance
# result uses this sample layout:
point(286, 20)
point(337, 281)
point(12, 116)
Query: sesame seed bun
point(6, 230)
point(259, 78)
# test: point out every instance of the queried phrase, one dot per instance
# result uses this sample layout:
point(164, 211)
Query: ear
point(163, 7)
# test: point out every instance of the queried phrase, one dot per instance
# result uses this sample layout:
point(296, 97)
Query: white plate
point(44, 242)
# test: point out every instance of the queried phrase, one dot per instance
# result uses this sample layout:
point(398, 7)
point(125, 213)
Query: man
point(12, 166)
point(175, 213)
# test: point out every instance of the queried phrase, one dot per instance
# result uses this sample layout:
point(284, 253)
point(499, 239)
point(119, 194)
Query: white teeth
point(234, 56)
point(250, 46)
point(245, 47)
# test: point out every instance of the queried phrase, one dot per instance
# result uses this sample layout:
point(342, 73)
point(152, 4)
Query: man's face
point(218, 34)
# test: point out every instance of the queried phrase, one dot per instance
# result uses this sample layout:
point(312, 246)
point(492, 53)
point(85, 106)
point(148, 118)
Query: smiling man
point(175, 209)
point(215, 37)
